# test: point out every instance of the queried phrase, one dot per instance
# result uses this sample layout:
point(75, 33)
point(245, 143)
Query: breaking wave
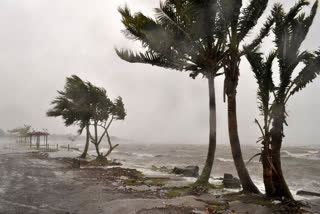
point(309, 155)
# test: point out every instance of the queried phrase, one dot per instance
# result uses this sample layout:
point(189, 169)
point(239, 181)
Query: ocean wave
point(310, 155)
point(224, 159)
point(140, 155)
point(313, 152)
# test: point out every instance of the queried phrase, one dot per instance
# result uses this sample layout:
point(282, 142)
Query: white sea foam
point(313, 152)
point(224, 159)
point(310, 155)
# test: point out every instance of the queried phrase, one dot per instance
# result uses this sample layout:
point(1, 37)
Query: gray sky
point(44, 41)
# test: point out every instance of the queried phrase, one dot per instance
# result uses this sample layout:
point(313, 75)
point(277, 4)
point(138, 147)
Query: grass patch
point(205, 186)
point(221, 186)
point(217, 208)
point(176, 192)
point(250, 199)
point(236, 196)
point(132, 182)
point(100, 160)
point(157, 181)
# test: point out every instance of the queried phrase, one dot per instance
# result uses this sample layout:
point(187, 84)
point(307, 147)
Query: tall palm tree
point(186, 35)
point(263, 73)
point(290, 31)
point(72, 105)
point(242, 20)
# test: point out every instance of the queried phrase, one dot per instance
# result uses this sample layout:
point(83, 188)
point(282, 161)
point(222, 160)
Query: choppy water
point(301, 165)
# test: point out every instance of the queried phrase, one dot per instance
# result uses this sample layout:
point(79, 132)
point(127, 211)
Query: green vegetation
point(218, 207)
point(133, 182)
point(156, 181)
point(212, 31)
point(290, 30)
point(20, 131)
point(176, 192)
point(101, 160)
point(81, 103)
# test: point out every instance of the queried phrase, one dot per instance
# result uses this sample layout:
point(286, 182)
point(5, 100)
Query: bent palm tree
point(290, 31)
point(72, 105)
point(186, 35)
point(241, 21)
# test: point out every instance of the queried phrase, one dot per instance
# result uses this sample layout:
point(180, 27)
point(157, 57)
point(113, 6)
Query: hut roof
point(38, 134)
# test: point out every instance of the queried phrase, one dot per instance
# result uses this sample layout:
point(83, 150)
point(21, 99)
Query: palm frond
point(307, 74)
point(264, 32)
point(249, 17)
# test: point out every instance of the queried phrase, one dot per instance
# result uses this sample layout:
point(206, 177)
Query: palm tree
point(263, 73)
point(72, 105)
point(241, 21)
point(290, 31)
point(187, 36)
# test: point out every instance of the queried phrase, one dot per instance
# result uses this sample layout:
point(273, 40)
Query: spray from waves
point(224, 159)
point(135, 154)
point(310, 155)
point(313, 152)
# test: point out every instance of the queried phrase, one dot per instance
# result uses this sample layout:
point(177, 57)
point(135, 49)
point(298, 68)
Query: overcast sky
point(44, 41)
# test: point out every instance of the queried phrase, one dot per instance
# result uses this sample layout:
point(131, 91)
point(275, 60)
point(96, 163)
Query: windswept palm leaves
point(71, 104)
point(83, 104)
point(187, 36)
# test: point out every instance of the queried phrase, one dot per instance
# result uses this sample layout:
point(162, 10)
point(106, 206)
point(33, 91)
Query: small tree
point(103, 113)
point(20, 131)
point(83, 104)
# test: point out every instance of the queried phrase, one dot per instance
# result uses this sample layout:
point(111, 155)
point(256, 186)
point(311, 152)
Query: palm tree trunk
point(96, 144)
point(84, 154)
point(267, 171)
point(247, 184)
point(281, 187)
point(205, 175)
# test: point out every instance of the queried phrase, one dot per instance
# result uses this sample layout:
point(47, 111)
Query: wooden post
point(68, 147)
point(57, 147)
point(38, 142)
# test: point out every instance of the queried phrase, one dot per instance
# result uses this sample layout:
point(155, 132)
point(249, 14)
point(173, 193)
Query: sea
point(300, 164)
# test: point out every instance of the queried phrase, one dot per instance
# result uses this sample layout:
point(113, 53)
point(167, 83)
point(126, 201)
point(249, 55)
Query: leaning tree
point(103, 112)
point(240, 21)
point(73, 106)
point(20, 131)
point(187, 36)
point(290, 31)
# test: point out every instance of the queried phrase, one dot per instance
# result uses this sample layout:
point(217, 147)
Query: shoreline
point(47, 183)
